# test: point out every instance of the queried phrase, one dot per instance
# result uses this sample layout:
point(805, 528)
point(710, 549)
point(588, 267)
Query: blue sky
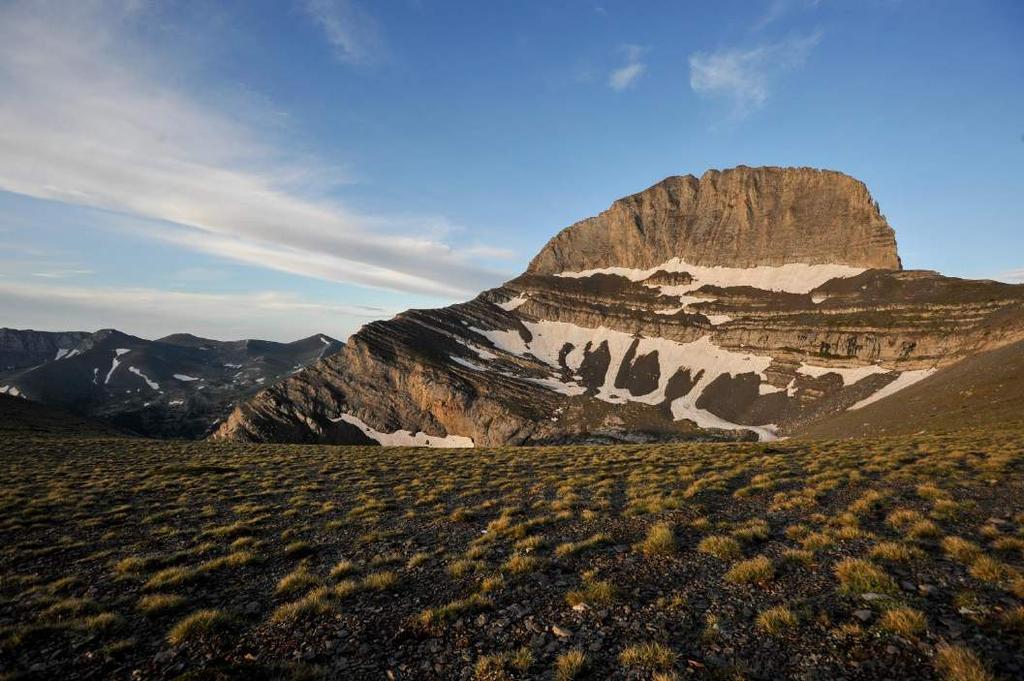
point(276, 168)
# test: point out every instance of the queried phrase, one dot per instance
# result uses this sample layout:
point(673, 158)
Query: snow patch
point(9, 390)
point(176, 403)
point(61, 353)
point(324, 341)
point(850, 375)
point(717, 319)
point(150, 382)
point(790, 278)
point(121, 351)
point(404, 438)
point(904, 380)
point(467, 363)
point(512, 304)
point(818, 298)
point(183, 377)
point(113, 367)
point(549, 337)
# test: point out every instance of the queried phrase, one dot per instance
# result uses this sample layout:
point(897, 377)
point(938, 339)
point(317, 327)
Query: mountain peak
point(740, 217)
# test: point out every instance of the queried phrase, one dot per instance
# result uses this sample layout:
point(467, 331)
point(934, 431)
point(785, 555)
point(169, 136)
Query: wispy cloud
point(152, 313)
point(349, 29)
point(89, 118)
point(777, 9)
point(744, 76)
point(626, 75)
point(62, 273)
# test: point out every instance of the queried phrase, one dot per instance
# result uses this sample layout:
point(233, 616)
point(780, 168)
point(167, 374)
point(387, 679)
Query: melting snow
point(701, 355)
point(904, 380)
point(150, 382)
point(513, 303)
point(850, 375)
point(110, 373)
point(404, 438)
point(183, 377)
point(468, 364)
point(791, 278)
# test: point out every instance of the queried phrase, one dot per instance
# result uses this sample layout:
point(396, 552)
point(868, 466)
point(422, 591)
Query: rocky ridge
point(177, 386)
point(743, 304)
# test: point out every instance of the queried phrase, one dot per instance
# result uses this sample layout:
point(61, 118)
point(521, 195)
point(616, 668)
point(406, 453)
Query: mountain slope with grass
point(984, 390)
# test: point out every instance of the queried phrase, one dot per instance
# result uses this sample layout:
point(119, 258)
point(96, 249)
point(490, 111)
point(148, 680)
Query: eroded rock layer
point(799, 311)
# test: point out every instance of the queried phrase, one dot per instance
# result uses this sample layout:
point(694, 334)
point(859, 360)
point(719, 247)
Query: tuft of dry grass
point(316, 602)
point(651, 656)
point(895, 552)
point(299, 579)
point(960, 549)
point(757, 570)
point(154, 604)
point(776, 621)
point(859, 576)
point(720, 546)
point(570, 664)
point(660, 540)
point(904, 621)
point(959, 663)
point(200, 626)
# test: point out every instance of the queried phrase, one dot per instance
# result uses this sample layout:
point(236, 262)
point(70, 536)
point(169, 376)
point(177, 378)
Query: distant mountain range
point(751, 302)
point(179, 386)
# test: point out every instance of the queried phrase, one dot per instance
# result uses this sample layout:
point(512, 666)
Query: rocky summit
point(747, 303)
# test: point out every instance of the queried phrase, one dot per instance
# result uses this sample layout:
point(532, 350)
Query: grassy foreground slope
point(874, 559)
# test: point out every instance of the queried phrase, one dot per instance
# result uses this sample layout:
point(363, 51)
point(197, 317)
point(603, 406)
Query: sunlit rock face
point(743, 304)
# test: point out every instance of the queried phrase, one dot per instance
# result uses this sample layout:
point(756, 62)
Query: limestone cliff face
point(741, 217)
point(710, 348)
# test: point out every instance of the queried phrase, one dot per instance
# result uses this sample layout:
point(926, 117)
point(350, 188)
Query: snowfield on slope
point(789, 278)
point(404, 438)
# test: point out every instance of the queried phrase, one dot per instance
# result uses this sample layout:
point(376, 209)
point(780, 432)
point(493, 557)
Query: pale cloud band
point(87, 120)
point(154, 313)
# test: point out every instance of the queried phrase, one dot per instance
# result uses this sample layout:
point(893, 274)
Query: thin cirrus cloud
point(779, 8)
point(87, 122)
point(627, 75)
point(744, 77)
point(153, 313)
point(349, 29)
